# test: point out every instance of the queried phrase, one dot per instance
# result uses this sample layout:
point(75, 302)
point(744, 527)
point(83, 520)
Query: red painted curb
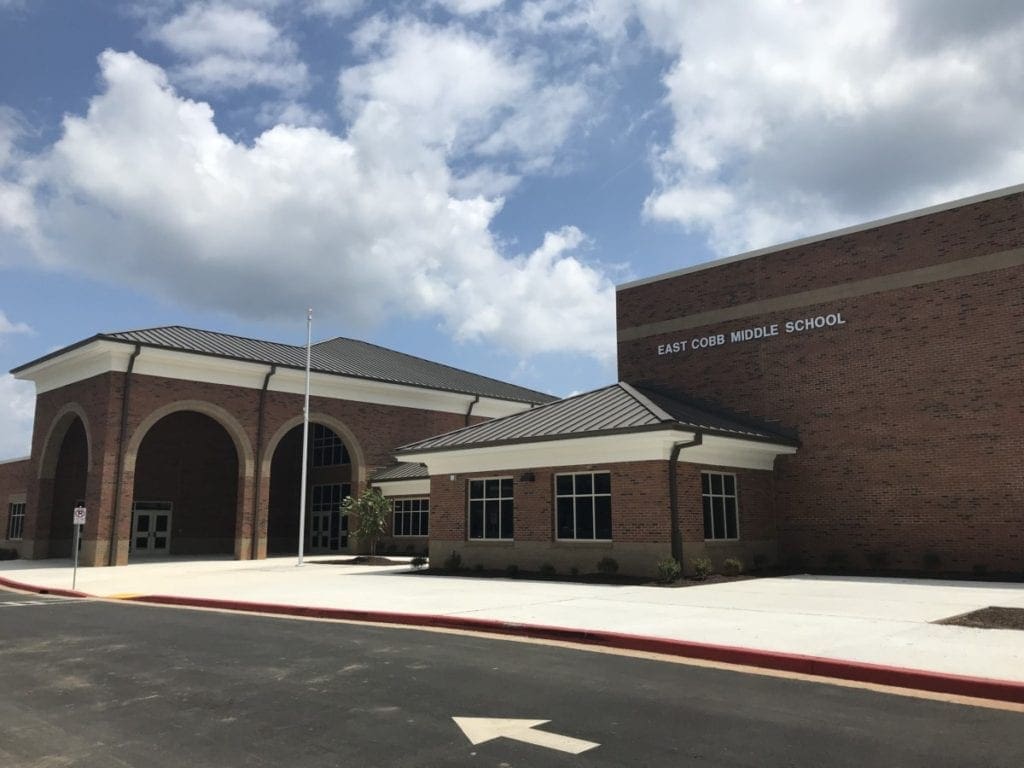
point(898, 677)
point(41, 590)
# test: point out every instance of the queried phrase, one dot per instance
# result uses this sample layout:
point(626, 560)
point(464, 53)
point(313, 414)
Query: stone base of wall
point(633, 559)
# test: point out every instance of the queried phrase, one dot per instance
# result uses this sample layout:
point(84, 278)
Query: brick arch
point(59, 426)
point(355, 450)
point(231, 425)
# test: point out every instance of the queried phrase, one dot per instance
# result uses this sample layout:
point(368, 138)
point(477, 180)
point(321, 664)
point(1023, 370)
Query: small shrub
point(931, 561)
point(732, 566)
point(878, 559)
point(608, 566)
point(512, 570)
point(668, 569)
point(547, 570)
point(418, 562)
point(760, 561)
point(453, 562)
point(701, 568)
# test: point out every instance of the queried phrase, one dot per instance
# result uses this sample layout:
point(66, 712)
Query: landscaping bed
point(993, 617)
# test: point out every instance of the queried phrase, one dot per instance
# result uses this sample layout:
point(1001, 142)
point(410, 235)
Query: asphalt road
point(86, 683)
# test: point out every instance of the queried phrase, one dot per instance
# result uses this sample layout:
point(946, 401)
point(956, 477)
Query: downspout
point(470, 411)
point(112, 554)
point(673, 494)
point(258, 465)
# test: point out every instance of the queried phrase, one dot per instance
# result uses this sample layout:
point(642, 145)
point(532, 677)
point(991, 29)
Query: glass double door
point(328, 527)
point(151, 528)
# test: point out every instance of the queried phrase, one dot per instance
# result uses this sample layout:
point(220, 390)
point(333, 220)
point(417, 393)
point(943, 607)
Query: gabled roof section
point(339, 356)
point(618, 408)
point(403, 470)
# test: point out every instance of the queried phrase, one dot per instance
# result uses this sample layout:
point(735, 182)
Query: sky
point(462, 180)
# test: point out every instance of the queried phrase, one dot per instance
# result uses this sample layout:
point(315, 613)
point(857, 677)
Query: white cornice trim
point(602, 449)
point(77, 364)
point(103, 356)
point(418, 487)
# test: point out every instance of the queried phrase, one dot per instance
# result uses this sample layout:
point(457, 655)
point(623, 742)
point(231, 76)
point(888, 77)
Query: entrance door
point(328, 527)
point(151, 528)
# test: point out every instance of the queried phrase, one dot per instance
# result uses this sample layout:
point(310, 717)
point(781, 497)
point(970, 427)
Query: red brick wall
point(14, 482)
point(910, 415)
point(377, 428)
point(641, 521)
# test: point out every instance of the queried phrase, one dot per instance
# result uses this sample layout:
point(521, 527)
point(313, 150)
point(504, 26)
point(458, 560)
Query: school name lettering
point(751, 334)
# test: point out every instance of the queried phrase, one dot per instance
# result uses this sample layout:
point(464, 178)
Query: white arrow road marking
point(481, 729)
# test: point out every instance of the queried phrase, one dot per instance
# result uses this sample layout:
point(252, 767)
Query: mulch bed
point(580, 578)
point(361, 560)
point(992, 617)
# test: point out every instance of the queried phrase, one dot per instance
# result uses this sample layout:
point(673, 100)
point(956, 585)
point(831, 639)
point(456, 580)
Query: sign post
point(79, 521)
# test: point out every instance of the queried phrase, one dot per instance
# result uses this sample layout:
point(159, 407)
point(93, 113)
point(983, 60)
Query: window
point(410, 517)
point(490, 508)
point(328, 449)
point(15, 520)
point(719, 496)
point(583, 505)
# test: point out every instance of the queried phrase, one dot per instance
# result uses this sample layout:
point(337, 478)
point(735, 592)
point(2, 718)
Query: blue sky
point(465, 180)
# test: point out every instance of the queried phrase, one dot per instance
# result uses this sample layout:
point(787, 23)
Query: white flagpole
point(305, 440)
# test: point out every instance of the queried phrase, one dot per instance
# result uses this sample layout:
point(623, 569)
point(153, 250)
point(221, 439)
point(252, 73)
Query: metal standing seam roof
point(403, 470)
point(339, 356)
point(619, 407)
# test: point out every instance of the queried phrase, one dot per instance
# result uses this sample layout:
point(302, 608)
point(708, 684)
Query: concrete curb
point(898, 677)
point(41, 590)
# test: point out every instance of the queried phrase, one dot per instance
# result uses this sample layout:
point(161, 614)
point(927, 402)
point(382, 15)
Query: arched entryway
point(334, 462)
point(64, 473)
point(185, 497)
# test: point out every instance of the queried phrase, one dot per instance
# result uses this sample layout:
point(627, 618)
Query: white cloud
point(474, 99)
point(229, 48)
point(17, 408)
point(6, 326)
point(792, 118)
point(334, 8)
point(145, 189)
point(470, 7)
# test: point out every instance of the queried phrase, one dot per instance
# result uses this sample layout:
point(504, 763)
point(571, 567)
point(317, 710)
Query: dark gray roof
point(617, 408)
point(340, 356)
point(403, 470)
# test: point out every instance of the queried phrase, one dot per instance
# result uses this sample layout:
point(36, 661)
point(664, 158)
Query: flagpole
point(305, 440)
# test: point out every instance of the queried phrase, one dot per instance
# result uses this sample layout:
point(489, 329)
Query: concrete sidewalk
point(882, 621)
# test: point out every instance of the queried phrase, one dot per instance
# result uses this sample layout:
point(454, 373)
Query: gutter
point(112, 553)
point(673, 493)
point(469, 412)
point(258, 464)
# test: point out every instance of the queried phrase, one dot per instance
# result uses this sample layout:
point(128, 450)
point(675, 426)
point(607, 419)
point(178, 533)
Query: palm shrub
point(371, 509)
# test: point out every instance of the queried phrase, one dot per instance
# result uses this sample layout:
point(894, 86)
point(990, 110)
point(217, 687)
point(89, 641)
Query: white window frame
point(421, 515)
point(711, 495)
point(499, 498)
point(15, 512)
point(593, 496)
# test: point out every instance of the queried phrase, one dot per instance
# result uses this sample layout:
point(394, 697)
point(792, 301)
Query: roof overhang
point(418, 486)
point(98, 356)
point(648, 445)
